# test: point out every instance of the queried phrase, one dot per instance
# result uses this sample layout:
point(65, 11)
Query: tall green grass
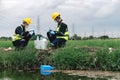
point(90, 54)
point(6, 44)
point(25, 59)
point(72, 58)
point(83, 54)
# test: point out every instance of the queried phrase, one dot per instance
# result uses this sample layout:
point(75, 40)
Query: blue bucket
point(45, 69)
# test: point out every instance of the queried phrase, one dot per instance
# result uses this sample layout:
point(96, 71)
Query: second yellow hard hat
point(27, 20)
point(54, 15)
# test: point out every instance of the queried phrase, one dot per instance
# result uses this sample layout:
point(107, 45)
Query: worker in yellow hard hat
point(58, 37)
point(21, 37)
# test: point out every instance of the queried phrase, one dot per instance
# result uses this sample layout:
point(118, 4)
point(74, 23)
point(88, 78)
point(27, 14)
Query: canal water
point(57, 75)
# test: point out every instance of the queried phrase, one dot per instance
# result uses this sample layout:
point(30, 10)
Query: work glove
point(32, 32)
point(52, 32)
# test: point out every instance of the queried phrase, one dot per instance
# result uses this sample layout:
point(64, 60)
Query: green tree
point(76, 37)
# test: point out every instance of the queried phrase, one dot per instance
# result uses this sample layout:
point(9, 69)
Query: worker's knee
point(20, 43)
point(57, 43)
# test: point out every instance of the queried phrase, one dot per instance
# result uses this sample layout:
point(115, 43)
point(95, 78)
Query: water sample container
point(40, 43)
point(45, 69)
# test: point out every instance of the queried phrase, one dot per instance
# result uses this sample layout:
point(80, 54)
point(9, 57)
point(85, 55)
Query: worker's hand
point(31, 32)
point(52, 32)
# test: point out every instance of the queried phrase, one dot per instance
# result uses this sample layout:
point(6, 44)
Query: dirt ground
point(92, 74)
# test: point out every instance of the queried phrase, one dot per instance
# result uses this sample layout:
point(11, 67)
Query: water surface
point(58, 75)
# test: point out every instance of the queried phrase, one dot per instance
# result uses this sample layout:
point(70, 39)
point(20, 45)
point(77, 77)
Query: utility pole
point(84, 34)
point(104, 32)
point(0, 2)
point(93, 31)
point(38, 25)
point(73, 29)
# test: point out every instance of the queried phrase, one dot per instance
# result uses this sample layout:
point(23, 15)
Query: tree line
point(74, 37)
point(77, 37)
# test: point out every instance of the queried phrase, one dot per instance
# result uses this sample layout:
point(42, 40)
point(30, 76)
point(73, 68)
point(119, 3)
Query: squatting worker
point(21, 37)
point(58, 37)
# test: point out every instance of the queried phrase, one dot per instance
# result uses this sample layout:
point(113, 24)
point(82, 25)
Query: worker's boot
point(50, 50)
point(8, 49)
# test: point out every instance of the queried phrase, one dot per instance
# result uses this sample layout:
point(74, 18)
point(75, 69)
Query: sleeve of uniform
point(62, 30)
point(19, 30)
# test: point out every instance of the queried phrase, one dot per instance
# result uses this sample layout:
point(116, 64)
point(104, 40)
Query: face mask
point(26, 26)
point(56, 21)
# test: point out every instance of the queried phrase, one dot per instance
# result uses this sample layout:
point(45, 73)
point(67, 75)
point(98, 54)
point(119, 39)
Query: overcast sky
point(88, 17)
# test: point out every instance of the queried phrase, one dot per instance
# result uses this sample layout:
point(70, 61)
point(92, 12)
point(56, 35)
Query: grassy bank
point(86, 58)
point(84, 54)
point(26, 59)
point(88, 55)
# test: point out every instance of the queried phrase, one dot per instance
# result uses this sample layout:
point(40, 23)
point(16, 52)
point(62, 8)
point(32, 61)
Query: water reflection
point(13, 75)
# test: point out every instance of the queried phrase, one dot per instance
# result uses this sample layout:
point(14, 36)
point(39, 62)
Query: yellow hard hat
point(27, 20)
point(54, 15)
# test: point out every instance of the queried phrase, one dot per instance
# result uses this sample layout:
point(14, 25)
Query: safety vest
point(66, 34)
point(17, 36)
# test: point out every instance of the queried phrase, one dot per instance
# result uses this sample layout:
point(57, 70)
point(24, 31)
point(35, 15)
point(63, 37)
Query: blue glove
point(52, 32)
point(31, 32)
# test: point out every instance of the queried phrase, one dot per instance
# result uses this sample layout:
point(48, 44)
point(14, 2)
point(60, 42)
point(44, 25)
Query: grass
point(83, 54)
point(88, 55)
point(25, 59)
point(115, 43)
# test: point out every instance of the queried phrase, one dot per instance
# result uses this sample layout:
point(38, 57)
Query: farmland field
point(115, 43)
point(79, 55)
